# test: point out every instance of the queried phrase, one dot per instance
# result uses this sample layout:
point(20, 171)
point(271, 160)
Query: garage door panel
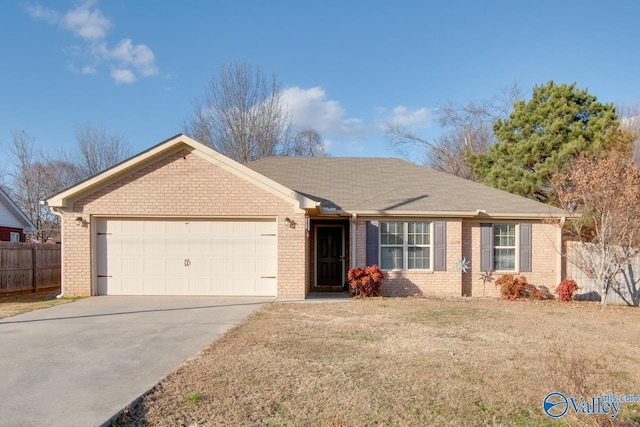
point(200, 246)
point(181, 257)
point(244, 286)
point(266, 286)
point(154, 266)
point(200, 227)
point(244, 247)
point(200, 266)
point(266, 267)
point(221, 246)
point(264, 227)
point(131, 285)
point(154, 246)
point(199, 285)
point(131, 227)
point(132, 246)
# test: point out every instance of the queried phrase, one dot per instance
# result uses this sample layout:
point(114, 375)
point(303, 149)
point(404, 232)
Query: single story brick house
point(181, 218)
point(14, 224)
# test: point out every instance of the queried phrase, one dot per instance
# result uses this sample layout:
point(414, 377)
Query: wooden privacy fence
point(29, 267)
point(624, 290)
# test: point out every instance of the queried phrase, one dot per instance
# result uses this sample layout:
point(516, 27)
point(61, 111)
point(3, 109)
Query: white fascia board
point(458, 214)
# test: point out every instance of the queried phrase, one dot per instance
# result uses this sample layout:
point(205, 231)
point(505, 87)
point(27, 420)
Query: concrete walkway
point(78, 364)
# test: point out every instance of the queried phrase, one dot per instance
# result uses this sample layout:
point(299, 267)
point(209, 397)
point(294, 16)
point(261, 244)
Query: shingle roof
point(393, 186)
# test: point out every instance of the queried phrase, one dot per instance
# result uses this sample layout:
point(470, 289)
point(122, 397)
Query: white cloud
point(123, 75)
point(88, 69)
point(127, 61)
point(421, 117)
point(84, 22)
point(39, 13)
point(138, 56)
point(310, 108)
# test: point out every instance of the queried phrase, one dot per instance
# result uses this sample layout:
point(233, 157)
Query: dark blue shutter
point(372, 242)
point(486, 247)
point(440, 246)
point(525, 247)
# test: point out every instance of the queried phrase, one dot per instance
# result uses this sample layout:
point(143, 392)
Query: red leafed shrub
point(365, 282)
point(565, 289)
point(511, 287)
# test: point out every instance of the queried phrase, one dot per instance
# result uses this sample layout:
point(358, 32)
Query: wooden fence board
point(29, 267)
point(625, 290)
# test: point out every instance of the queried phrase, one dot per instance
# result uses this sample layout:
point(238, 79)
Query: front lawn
point(404, 362)
point(17, 304)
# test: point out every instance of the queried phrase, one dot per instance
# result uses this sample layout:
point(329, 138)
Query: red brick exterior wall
point(5, 233)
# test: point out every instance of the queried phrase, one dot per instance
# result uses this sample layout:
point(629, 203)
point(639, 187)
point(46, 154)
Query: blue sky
point(348, 67)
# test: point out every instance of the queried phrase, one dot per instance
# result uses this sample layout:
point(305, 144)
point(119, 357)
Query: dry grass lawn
point(18, 304)
point(404, 362)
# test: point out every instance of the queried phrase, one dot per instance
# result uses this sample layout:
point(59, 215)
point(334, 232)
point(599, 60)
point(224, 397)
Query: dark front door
point(329, 256)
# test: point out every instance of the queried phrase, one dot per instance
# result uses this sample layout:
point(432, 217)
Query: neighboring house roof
point(174, 144)
point(384, 186)
point(12, 216)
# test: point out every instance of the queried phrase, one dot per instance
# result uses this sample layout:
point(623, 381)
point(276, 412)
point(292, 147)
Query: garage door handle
point(187, 262)
point(268, 277)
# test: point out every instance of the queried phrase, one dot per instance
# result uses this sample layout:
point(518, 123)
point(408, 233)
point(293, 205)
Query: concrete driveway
point(78, 364)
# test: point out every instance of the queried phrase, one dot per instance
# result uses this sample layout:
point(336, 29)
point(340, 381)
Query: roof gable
point(65, 198)
point(11, 215)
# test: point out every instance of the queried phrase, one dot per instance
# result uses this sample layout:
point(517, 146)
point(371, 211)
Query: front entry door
point(329, 256)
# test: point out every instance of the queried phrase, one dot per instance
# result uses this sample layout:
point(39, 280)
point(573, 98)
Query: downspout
point(58, 213)
point(559, 256)
point(354, 239)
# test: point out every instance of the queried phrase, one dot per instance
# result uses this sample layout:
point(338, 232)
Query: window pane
point(504, 259)
point(419, 233)
point(419, 258)
point(504, 235)
point(391, 258)
point(391, 233)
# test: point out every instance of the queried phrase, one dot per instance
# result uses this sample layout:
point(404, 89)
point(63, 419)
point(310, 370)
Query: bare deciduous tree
point(306, 143)
point(97, 150)
point(630, 122)
point(605, 192)
point(34, 178)
point(468, 131)
point(241, 114)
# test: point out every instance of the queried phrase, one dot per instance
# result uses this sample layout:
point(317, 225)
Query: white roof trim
point(457, 214)
point(28, 226)
point(62, 199)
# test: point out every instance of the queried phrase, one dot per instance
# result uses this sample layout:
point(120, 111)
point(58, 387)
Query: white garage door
point(186, 257)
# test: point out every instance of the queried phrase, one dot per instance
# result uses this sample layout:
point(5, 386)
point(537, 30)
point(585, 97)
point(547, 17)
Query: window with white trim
point(405, 245)
point(504, 247)
point(14, 237)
